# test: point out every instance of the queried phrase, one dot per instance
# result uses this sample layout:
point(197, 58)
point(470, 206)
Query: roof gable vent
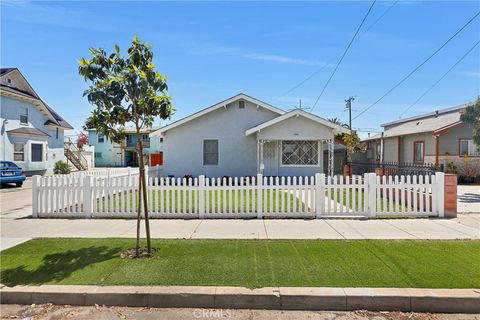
point(241, 104)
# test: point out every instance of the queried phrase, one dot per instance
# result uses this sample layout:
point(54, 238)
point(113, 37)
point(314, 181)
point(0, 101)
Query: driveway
point(468, 199)
point(16, 202)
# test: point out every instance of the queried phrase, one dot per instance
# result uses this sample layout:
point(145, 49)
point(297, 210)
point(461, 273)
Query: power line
point(381, 16)
point(343, 56)
point(327, 64)
point(441, 78)
point(303, 81)
point(418, 67)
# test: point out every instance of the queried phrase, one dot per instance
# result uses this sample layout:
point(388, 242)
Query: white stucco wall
point(183, 145)
point(296, 128)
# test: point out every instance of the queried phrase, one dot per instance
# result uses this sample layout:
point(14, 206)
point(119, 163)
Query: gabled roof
point(240, 96)
point(428, 115)
point(6, 70)
point(28, 131)
point(295, 113)
point(434, 122)
point(29, 93)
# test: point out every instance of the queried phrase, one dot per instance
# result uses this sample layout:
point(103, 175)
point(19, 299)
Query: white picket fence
point(107, 172)
point(255, 197)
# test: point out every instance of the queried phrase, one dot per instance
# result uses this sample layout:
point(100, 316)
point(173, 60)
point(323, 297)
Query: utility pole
point(348, 105)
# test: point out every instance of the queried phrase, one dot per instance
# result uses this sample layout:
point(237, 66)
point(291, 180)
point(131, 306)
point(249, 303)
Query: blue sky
point(210, 51)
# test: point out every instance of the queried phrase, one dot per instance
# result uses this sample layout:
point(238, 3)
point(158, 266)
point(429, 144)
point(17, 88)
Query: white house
point(243, 136)
point(32, 133)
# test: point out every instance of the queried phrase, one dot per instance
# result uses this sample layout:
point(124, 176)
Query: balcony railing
point(133, 144)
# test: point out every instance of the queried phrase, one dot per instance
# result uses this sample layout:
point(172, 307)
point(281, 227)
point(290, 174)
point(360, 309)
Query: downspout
point(4, 132)
point(381, 149)
point(437, 144)
point(398, 150)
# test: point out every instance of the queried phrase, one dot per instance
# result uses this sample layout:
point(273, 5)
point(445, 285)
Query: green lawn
point(333, 263)
point(241, 201)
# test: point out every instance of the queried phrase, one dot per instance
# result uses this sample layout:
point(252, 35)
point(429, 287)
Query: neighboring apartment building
point(32, 133)
point(110, 154)
point(438, 137)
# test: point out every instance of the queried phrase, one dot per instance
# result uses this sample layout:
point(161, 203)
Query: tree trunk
point(144, 191)
point(139, 217)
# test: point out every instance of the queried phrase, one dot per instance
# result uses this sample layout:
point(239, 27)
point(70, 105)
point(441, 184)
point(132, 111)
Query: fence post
point(129, 172)
point(319, 194)
point(201, 197)
point(259, 188)
point(440, 190)
point(146, 175)
point(372, 194)
point(87, 196)
point(35, 186)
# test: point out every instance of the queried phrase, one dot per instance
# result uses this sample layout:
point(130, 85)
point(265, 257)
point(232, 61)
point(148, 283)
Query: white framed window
point(98, 155)
point(145, 137)
point(468, 148)
point(210, 152)
point(100, 138)
point(23, 115)
point(37, 152)
point(300, 153)
point(418, 151)
point(18, 151)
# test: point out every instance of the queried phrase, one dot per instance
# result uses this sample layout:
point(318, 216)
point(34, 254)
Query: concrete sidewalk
point(15, 231)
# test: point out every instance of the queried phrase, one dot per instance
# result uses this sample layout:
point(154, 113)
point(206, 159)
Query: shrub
point(451, 168)
point(61, 167)
point(468, 170)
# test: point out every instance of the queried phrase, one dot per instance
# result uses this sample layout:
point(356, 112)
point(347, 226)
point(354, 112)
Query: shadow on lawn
point(58, 266)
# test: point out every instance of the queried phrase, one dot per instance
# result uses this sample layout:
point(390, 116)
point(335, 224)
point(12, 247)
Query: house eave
point(297, 113)
point(222, 104)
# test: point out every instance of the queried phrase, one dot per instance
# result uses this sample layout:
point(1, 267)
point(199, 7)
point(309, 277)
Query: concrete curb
point(283, 298)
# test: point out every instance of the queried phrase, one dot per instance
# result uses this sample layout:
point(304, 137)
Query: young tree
point(472, 116)
point(126, 89)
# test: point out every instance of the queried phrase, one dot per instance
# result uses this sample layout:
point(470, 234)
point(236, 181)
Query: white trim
point(297, 112)
point(319, 159)
point(31, 152)
point(219, 105)
point(218, 153)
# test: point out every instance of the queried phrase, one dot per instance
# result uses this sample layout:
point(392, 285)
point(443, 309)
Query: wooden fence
point(245, 197)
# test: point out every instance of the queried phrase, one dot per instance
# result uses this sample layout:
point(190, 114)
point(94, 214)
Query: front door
point(270, 158)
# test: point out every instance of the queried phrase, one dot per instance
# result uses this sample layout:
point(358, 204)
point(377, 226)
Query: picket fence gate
point(245, 197)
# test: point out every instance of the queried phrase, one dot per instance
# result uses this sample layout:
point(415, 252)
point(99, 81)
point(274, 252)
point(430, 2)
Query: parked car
point(11, 173)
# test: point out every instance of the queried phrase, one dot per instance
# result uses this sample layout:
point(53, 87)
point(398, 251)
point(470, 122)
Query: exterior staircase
point(75, 156)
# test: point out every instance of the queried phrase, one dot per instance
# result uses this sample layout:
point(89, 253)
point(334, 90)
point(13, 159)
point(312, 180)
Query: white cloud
point(473, 74)
point(282, 59)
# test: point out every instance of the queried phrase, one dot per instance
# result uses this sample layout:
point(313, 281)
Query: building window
point(56, 134)
point(210, 152)
point(418, 151)
point(300, 153)
point(145, 138)
point(18, 152)
point(98, 154)
point(37, 152)
point(469, 148)
point(101, 137)
point(24, 115)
